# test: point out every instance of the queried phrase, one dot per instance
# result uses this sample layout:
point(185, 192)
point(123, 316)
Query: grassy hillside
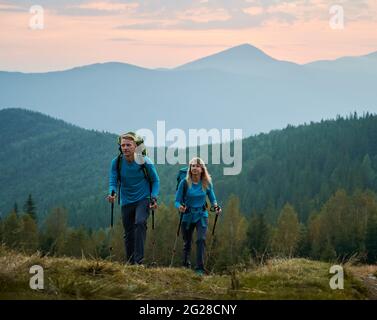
point(67, 278)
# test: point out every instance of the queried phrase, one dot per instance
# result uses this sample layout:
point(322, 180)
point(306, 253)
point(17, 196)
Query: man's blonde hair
point(129, 136)
point(139, 141)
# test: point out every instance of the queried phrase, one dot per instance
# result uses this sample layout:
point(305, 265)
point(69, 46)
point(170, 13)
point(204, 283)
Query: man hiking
point(136, 177)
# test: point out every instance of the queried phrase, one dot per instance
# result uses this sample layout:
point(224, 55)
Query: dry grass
point(67, 278)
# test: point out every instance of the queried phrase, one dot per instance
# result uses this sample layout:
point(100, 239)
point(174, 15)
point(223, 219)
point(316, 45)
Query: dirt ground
point(368, 274)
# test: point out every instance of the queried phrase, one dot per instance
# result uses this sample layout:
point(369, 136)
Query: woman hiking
point(190, 199)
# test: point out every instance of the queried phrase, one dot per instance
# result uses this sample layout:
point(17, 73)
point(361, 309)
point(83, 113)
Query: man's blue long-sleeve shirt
point(134, 185)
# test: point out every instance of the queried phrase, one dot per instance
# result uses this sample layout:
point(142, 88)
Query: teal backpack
point(182, 176)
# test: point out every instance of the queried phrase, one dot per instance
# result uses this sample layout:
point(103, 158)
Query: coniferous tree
point(315, 235)
point(76, 244)
point(231, 236)
point(98, 239)
point(1, 230)
point(12, 229)
point(328, 253)
point(15, 207)
point(29, 207)
point(303, 246)
point(343, 222)
point(367, 172)
point(287, 234)
point(29, 234)
point(258, 237)
point(54, 231)
point(371, 239)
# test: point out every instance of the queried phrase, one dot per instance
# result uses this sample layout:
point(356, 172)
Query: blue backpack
point(182, 176)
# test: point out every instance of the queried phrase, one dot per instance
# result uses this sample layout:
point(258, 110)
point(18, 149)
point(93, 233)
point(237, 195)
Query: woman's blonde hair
point(205, 176)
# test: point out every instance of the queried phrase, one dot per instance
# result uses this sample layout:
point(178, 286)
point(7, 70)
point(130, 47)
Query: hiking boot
point(199, 272)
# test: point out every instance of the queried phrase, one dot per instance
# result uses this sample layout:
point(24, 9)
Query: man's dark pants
point(134, 218)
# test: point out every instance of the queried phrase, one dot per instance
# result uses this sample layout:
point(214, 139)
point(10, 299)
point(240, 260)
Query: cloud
point(104, 7)
point(11, 8)
point(221, 14)
point(316, 10)
point(234, 20)
point(80, 7)
point(122, 39)
point(204, 14)
point(108, 6)
point(253, 11)
point(178, 45)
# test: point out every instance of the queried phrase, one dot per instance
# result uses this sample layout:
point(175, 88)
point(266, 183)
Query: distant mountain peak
point(235, 55)
point(372, 55)
point(246, 50)
point(108, 66)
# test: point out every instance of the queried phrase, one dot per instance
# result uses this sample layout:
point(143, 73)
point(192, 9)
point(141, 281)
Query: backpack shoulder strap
point(184, 190)
point(146, 175)
point(119, 166)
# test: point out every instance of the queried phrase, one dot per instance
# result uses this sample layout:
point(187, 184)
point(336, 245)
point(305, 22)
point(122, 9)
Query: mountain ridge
point(105, 96)
point(239, 51)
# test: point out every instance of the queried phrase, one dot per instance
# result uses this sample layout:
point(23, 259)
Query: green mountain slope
point(64, 165)
point(59, 164)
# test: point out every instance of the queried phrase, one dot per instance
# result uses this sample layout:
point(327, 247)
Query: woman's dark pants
point(200, 243)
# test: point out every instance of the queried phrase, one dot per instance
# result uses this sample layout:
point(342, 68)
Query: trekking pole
point(176, 238)
point(214, 225)
point(152, 219)
point(111, 224)
point(213, 232)
point(153, 236)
